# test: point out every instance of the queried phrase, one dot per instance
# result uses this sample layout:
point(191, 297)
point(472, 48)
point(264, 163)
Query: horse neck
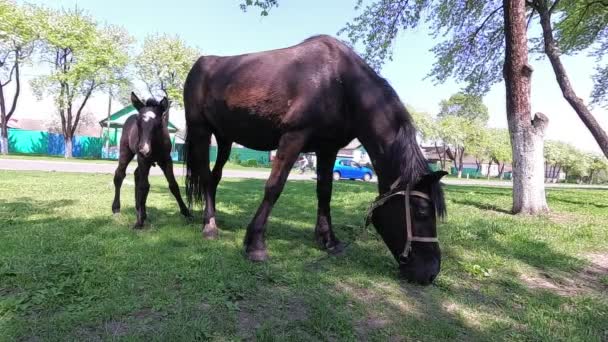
point(379, 148)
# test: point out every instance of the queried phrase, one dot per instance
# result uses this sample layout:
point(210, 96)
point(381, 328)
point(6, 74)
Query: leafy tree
point(599, 169)
point(500, 149)
point(480, 145)
point(466, 106)
point(457, 134)
point(582, 24)
point(18, 37)
point(84, 59)
point(163, 65)
point(555, 158)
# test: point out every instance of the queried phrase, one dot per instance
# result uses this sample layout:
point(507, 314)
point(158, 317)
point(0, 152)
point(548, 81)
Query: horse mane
point(152, 102)
point(409, 159)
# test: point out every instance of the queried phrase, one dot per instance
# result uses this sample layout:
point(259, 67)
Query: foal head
point(151, 118)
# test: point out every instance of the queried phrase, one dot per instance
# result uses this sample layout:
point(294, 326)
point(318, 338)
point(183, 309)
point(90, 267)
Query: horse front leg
point(167, 167)
point(211, 230)
point(119, 175)
point(324, 234)
point(142, 187)
point(290, 146)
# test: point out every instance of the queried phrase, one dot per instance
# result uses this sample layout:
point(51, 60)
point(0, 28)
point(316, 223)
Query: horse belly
point(247, 129)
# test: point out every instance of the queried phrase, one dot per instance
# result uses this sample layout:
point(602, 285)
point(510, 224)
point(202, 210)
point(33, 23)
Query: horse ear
point(165, 105)
point(136, 102)
point(433, 177)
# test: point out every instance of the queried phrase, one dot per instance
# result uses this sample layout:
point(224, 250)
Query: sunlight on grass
point(69, 269)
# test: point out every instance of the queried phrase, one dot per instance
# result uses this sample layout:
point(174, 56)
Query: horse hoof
point(337, 249)
point(257, 255)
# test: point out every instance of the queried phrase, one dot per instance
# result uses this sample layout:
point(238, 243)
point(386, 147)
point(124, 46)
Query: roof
point(117, 120)
point(27, 124)
point(353, 145)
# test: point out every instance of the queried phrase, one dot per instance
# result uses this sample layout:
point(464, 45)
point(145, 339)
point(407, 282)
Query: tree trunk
point(559, 171)
point(68, 146)
point(489, 168)
point(4, 123)
point(526, 135)
point(501, 171)
point(4, 139)
point(552, 51)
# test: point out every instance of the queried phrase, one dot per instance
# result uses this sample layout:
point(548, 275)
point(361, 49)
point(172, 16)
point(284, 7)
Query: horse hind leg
point(119, 176)
point(210, 229)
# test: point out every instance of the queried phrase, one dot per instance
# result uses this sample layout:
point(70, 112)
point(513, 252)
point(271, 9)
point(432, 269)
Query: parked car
point(347, 168)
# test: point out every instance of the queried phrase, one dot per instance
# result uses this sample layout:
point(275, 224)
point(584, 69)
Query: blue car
point(347, 168)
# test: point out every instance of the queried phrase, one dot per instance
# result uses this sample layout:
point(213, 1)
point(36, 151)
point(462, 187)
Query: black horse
point(313, 97)
point(146, 135)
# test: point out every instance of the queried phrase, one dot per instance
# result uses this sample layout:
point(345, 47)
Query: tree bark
point(489, 168)
point(68, 146)
point(4, 123)
point(526, 135)
point(552, 51)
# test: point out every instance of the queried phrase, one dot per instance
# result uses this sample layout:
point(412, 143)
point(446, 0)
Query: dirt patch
point(563, 218)
point(589, 280)
point(142, 321)
point(274, 308)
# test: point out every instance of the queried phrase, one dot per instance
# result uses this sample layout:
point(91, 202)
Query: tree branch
point(485, 21)
point(84, 102)
point(10, 76)
point(17, 87)
point(554, 6)
point(531, 16)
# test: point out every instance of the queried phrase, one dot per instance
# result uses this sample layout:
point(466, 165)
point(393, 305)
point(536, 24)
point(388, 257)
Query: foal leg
point(119, 175)
point(167, 167)
point(323, 231)
point(210, 230)
point(290, 146)
point(142, 186)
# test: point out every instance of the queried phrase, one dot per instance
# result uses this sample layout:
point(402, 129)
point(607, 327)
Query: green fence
point(237, 155)
point(28, 142)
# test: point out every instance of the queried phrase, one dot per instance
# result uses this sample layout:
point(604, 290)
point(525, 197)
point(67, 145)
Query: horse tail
point(193, 160)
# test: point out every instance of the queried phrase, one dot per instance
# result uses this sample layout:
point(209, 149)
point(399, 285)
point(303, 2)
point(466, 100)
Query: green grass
point(229, 165)
point(69, 270)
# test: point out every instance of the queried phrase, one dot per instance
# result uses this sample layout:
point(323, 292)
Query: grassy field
point(229, 165)
point(69, 270)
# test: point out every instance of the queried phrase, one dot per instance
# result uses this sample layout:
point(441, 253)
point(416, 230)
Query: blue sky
point(219, 27)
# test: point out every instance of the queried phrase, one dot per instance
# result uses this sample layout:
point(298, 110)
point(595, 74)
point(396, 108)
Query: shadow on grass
point(92, 277)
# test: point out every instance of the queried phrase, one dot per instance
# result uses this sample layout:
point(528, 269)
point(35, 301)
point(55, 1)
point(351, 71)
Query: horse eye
point(422, 211)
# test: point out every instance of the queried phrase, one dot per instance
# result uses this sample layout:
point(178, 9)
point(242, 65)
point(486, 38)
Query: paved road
point(92, 167)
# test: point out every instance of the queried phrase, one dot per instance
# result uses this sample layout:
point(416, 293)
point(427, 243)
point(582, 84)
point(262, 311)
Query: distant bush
point(251, 163)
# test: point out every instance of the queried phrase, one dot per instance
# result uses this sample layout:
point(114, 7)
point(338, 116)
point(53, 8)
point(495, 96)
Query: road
point(106, 168)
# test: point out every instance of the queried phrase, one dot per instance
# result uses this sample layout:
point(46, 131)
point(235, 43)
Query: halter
point(408, 216)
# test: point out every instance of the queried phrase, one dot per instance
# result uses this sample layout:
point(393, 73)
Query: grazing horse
point(146, 135)
point(313, 97)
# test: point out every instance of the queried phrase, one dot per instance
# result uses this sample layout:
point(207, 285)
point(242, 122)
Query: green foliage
point(251, 163)
point(464, 105)
point(500, 146)
point(425, 124)
point(583, 26)
point(84, 58)
point(263, 5)
point(163, 65)
point(578, 165)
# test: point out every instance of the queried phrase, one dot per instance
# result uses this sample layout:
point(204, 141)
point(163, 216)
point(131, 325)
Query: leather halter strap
point(407, 193)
